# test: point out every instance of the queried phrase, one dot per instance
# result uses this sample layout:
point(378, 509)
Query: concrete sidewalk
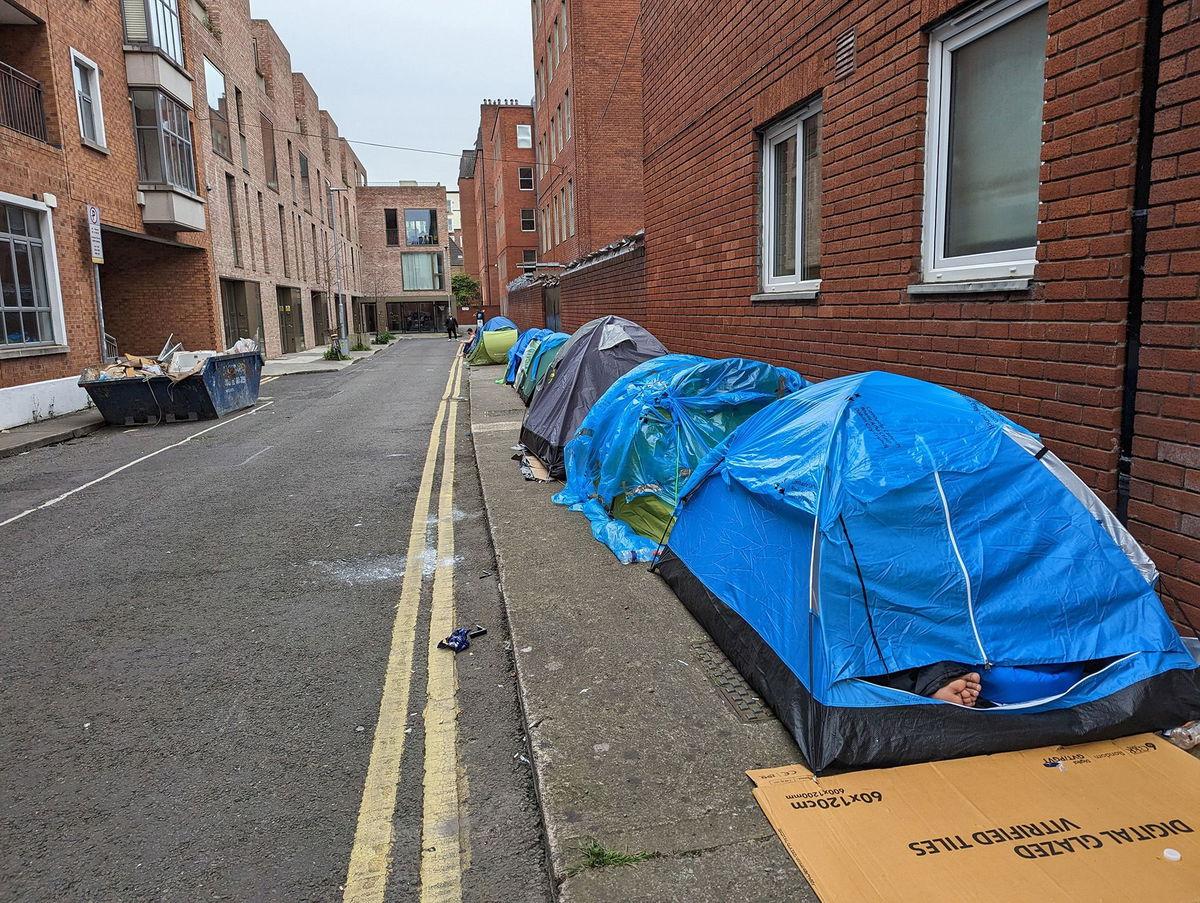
point(632, 712)
point(28, 436)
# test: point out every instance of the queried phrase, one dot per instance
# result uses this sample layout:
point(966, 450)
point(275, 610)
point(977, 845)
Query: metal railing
point(21, 106)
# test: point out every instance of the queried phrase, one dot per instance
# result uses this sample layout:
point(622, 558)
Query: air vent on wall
point(843, 54)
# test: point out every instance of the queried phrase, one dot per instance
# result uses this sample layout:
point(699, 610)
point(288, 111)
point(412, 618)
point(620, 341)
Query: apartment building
point(587, 123)
point(96, 115)
point(406, 246)
point(497, 184)
point(1002, 197)
point(281, 186)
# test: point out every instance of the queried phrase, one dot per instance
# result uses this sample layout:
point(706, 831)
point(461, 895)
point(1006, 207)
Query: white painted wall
point(39, 401)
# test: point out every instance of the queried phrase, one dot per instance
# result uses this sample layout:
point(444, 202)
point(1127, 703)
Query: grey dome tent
point(591, 361)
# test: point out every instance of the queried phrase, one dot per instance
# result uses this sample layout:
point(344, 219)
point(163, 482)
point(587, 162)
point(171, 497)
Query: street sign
point(93, 218)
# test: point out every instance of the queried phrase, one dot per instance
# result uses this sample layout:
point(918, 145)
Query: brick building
point(588, 124)
point(280, 180)
point(946, 190)
point(496, 184)
point(406, 249)
point(96, 109)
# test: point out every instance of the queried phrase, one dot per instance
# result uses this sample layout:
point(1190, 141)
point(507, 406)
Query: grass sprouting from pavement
point(597, 856)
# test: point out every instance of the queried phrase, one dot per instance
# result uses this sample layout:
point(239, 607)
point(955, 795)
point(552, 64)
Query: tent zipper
point(966, 574)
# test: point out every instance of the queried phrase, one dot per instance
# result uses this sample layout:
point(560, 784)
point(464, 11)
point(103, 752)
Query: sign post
point(97, 247)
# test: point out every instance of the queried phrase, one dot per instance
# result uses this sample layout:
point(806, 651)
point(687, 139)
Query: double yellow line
point(441, 854)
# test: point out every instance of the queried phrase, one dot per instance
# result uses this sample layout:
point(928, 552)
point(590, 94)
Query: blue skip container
point(228, 382)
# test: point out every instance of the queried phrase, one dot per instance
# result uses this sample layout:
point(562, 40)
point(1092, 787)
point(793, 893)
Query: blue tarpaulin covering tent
point(639, 443)
point(518, 350)
point(871, 525)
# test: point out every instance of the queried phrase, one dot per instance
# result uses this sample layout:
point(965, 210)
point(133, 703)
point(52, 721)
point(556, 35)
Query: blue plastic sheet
point(651, 428)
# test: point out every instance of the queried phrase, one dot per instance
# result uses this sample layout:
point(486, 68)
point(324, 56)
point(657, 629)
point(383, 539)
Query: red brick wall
point(616, 285)
point(79, 175)
point(1165, 504)
point(1050, 356)
point(601, 67)
point(134, 305)
point(526, 307)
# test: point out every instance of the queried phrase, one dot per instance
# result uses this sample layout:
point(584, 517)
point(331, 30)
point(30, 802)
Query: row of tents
point(844, 540)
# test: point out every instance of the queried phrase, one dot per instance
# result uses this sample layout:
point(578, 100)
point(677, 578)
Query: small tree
point(465, 289)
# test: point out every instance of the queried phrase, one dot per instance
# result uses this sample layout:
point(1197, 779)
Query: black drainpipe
point(1137, 250)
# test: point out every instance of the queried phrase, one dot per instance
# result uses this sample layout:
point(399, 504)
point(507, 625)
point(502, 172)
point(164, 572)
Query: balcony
point(21, 106)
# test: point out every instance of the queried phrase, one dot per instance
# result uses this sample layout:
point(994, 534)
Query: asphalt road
point(192, 653)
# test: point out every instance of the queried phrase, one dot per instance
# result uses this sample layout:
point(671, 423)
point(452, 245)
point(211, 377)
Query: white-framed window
point(791, 202)
point(30, 298)
point(524, 135)
point(528, 223)
point(87, 99)
point(525, 178)
point(566, 112)
point(571, 206)
point(983, 143)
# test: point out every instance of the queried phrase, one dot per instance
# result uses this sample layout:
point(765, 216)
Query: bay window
point(164, 140)
point(156, 23)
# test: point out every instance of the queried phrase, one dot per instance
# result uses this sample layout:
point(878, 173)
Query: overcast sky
point(407, 73)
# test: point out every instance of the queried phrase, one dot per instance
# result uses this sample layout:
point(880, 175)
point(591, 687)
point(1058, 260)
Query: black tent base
point(832, 737)
point(550, 455)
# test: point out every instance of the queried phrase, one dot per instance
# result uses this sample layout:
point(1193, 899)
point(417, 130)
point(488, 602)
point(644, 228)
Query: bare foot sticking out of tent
point(962, 690)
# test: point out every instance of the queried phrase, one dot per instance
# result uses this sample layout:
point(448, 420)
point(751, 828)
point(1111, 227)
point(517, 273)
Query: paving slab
point(20, 439)
point(634, 744)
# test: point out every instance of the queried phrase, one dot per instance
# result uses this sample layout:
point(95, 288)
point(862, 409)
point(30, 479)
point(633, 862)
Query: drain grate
point(731, 685)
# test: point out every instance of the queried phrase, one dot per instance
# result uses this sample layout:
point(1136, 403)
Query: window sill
point(32, 350)
point(981, 286)
point(806, 294)
point(98, 148)
point(174, 189)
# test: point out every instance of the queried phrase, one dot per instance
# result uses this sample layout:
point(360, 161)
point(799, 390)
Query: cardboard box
point(1113, 821)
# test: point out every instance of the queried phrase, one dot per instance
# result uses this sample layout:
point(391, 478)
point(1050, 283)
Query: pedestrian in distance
point(451, 327)
point(479, 318)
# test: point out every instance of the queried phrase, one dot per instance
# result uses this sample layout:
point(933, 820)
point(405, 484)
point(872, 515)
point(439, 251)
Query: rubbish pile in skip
point(901, 572)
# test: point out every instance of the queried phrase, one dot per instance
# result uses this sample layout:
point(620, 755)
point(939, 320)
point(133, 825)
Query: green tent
point(536, 363)
point(492, 343)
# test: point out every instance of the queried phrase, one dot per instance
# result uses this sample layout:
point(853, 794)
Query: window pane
point(783, 225)
point(8, 278)
point(420, 227)
point(418, 271)
point(996, 89)
point(810, 234)
point(16, 220)
point(218, 107)
point(25, 289)
point(13, 333)
point(524, 136)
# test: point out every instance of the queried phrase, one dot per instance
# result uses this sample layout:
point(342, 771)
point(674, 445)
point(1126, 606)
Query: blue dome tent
point(518, 351)
point(874, 524)
point(540, 354)
point(639, 443)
